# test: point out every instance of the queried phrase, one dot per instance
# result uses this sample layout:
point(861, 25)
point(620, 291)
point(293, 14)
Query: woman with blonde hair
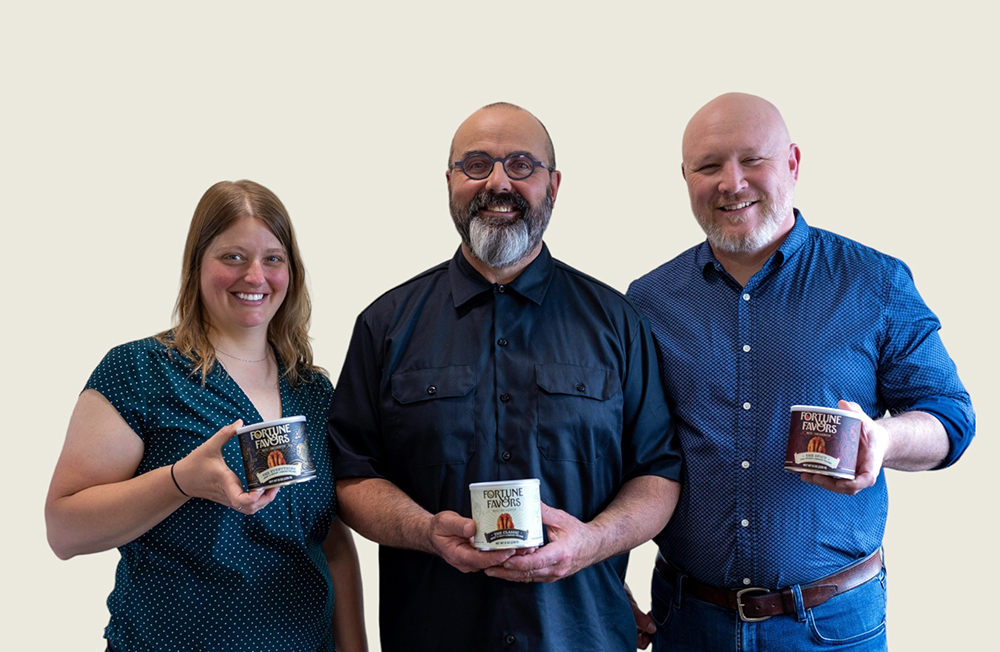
point(150, 465)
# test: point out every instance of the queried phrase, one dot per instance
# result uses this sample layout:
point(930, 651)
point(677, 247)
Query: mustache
point(489, 198)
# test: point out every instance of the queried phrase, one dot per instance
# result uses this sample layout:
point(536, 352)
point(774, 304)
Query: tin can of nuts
point(508, 514)
point(824, 441)
point(276, 453)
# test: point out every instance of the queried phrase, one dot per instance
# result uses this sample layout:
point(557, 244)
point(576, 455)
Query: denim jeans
point(853, 621)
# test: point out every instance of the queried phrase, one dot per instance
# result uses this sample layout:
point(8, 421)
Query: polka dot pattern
point(825, 319)
point(207, 577)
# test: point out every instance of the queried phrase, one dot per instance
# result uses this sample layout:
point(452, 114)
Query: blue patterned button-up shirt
point(825, 319)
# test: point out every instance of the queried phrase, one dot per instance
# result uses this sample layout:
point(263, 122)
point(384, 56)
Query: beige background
point(116, 116)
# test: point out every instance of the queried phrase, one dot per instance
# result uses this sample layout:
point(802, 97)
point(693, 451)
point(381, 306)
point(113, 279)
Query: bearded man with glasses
point(503, 364)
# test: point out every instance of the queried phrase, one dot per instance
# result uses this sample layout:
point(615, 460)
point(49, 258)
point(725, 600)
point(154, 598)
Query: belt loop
point(800, 608)
point(678, 589)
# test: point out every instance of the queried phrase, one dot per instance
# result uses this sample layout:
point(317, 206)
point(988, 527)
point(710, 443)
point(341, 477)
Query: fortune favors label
point(823, 440)
point(276, 453)
point(507, 514)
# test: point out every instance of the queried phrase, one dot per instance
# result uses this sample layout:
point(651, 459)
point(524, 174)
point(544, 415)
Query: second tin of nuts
point(508, 514)
point(823, 440)
point(276, 453)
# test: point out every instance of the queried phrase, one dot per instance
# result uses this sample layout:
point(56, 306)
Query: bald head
point(729, 115)
point(741, 168)
point(502, 114)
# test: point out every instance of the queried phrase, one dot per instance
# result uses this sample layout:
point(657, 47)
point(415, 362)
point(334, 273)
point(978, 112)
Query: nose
point(498, 181)
point(732, 180)
point(255, 273)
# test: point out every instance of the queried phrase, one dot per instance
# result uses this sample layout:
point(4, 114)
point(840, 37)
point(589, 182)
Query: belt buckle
point(739, 604)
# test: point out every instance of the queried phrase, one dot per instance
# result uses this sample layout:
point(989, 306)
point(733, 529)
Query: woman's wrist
point(177, 484)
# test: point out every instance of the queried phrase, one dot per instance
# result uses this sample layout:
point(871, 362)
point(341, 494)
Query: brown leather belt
point(756, 603)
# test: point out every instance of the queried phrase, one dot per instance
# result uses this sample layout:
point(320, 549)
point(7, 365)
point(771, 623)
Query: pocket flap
point(575, 380)
point(429, 384)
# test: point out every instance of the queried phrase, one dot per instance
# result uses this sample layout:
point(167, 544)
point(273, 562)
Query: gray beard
point(500, 245)
point(503, 244)
point(774, 215)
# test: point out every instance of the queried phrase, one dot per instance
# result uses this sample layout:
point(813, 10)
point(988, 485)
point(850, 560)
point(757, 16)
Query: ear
point(684, 174)
point(794, 156)
point(447, 175)
point(554, 184)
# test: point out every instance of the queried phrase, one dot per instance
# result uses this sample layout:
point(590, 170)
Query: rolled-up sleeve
point(915, 372)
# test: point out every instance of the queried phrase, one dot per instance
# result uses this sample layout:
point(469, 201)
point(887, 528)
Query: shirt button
point(506, 456)
point(745, 523)
point(580, 387)
point(746, 406)
point(745, 464)
point(502, 342)
point(504, 397)
point(432, 390)
point(746, 348)
point(746, 581)
point(501, 289)
point(746, 297)
point(510, 639)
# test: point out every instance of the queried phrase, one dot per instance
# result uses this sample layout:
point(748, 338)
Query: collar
point(707, 262)
point(532, 283)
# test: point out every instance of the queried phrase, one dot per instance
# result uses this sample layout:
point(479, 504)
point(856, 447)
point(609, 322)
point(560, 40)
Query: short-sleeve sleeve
point(650, 445)
point(119, 378)
point(354, 424)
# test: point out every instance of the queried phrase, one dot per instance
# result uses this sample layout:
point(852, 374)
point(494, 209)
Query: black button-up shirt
point(451, 380)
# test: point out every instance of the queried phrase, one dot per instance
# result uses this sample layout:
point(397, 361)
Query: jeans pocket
point(662, 599)
point(852, 617)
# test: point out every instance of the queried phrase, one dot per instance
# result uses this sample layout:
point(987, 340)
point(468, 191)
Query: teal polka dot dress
point(207, 577)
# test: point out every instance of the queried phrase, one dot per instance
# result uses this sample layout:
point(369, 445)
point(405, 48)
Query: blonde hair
point(220, 207)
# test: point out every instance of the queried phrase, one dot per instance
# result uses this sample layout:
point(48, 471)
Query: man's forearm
point(917, 441)
point(637, 514)
point(378, 510)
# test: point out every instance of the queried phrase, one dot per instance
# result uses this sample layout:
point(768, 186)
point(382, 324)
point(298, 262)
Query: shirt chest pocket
point(579, 411)
point(432, 416)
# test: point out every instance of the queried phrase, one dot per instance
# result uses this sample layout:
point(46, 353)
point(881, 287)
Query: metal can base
point(282, 483)
point(513, 546)
point(833, 474)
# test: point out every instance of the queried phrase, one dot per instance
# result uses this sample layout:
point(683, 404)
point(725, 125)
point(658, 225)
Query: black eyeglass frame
point(493, 162)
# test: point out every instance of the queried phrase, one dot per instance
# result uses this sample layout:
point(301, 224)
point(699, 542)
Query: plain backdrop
point(116, 116)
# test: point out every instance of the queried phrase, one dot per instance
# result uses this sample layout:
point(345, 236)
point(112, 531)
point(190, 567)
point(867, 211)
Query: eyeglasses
point(518, 166)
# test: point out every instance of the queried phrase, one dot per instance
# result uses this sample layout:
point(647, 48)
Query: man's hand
point(644, 624)
point(451, 537)
point(872, 447)
point(571, 548)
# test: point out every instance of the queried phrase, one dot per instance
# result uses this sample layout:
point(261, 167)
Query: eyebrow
point(515, 151)
point(759, 151)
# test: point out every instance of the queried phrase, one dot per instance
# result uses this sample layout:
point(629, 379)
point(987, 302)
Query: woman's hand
point(205, 474)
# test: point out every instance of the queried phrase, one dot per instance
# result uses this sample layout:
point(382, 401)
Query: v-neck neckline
point(247, 403)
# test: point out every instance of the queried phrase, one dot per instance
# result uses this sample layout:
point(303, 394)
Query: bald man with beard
point(767, 313)
point(503, 364)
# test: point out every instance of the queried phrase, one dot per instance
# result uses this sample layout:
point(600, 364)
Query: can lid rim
point(266, 424)
point(504, 483)
point(818, 408)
